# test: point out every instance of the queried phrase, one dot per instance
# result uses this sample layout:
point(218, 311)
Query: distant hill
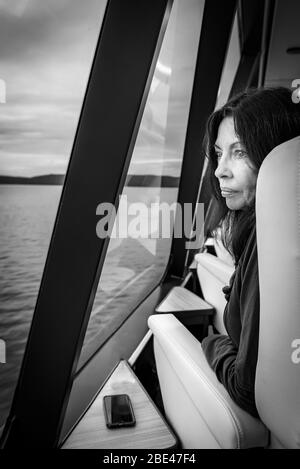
point(47, 179)
point(151, 180)
point(136, 180)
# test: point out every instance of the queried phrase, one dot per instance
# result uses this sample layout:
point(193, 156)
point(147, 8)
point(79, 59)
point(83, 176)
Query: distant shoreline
point(47, 179)
point(136, 180)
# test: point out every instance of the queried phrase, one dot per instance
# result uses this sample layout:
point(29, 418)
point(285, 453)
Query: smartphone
point(118, 411)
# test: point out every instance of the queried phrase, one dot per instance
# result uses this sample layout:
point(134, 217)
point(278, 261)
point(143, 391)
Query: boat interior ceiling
point(283, 60)
point(127, 315)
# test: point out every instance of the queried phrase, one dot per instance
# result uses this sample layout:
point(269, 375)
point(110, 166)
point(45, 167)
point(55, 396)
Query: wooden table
point(150, 431)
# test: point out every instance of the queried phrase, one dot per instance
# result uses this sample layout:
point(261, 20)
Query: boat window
point(230, 66)
point(140, 242)
point(46, 51)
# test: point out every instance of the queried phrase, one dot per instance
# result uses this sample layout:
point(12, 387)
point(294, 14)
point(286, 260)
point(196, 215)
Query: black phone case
point(119, 424)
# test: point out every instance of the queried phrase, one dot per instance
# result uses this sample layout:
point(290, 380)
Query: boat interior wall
point(283, 67)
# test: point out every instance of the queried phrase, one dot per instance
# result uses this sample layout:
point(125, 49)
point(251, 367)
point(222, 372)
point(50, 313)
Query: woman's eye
point(240, 154)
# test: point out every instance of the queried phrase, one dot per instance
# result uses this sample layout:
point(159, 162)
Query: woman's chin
point(239, 202)
point(234, 204)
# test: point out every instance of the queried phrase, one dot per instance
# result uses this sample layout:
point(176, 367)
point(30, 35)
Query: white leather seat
point(196, 404)
point(278, 244)
point(214, 274)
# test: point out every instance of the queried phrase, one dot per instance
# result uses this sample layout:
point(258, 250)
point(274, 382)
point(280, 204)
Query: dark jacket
point(234, 357)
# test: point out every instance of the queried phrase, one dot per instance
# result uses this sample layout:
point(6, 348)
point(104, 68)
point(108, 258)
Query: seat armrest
point(216, 266)
point(213, 275)
point(188, 307)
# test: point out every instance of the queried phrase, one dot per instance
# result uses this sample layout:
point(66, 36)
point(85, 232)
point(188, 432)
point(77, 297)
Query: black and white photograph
point(149, 227)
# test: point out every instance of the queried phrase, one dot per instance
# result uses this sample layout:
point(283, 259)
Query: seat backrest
point(214, 273)
point(277, 386)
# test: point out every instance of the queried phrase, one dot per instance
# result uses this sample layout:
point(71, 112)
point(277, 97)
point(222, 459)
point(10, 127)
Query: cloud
point(46, 50)
point(55, 26)
point(28, 164)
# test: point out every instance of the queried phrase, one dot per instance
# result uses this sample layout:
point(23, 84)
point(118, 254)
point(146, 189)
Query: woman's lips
point(228, 192)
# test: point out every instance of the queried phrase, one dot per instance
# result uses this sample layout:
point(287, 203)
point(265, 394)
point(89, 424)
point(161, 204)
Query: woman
point(239, 136)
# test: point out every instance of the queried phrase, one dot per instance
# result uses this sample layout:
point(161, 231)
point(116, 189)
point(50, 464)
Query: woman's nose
point(223, 169)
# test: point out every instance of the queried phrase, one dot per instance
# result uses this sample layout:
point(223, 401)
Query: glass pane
point(138, 253)
point(46, 50)
point(228, 74)
point(230, 66)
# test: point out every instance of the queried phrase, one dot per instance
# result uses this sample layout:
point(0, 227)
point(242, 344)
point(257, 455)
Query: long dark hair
point(263, 118)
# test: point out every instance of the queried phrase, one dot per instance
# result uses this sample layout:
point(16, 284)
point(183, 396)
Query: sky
point(46, 51)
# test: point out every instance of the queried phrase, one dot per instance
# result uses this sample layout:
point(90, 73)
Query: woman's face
point(235, 172)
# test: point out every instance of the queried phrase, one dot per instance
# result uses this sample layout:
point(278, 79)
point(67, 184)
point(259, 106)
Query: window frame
point(217, 16)
point(252, 24)
point(105, 334)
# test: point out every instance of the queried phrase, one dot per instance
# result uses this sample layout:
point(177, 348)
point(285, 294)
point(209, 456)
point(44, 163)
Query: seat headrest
point(278, 246)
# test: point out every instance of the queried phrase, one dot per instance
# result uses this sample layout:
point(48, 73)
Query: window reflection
point(133, 266)
point(230, 66)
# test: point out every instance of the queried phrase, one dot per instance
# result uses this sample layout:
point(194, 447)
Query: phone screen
point(118, 411)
